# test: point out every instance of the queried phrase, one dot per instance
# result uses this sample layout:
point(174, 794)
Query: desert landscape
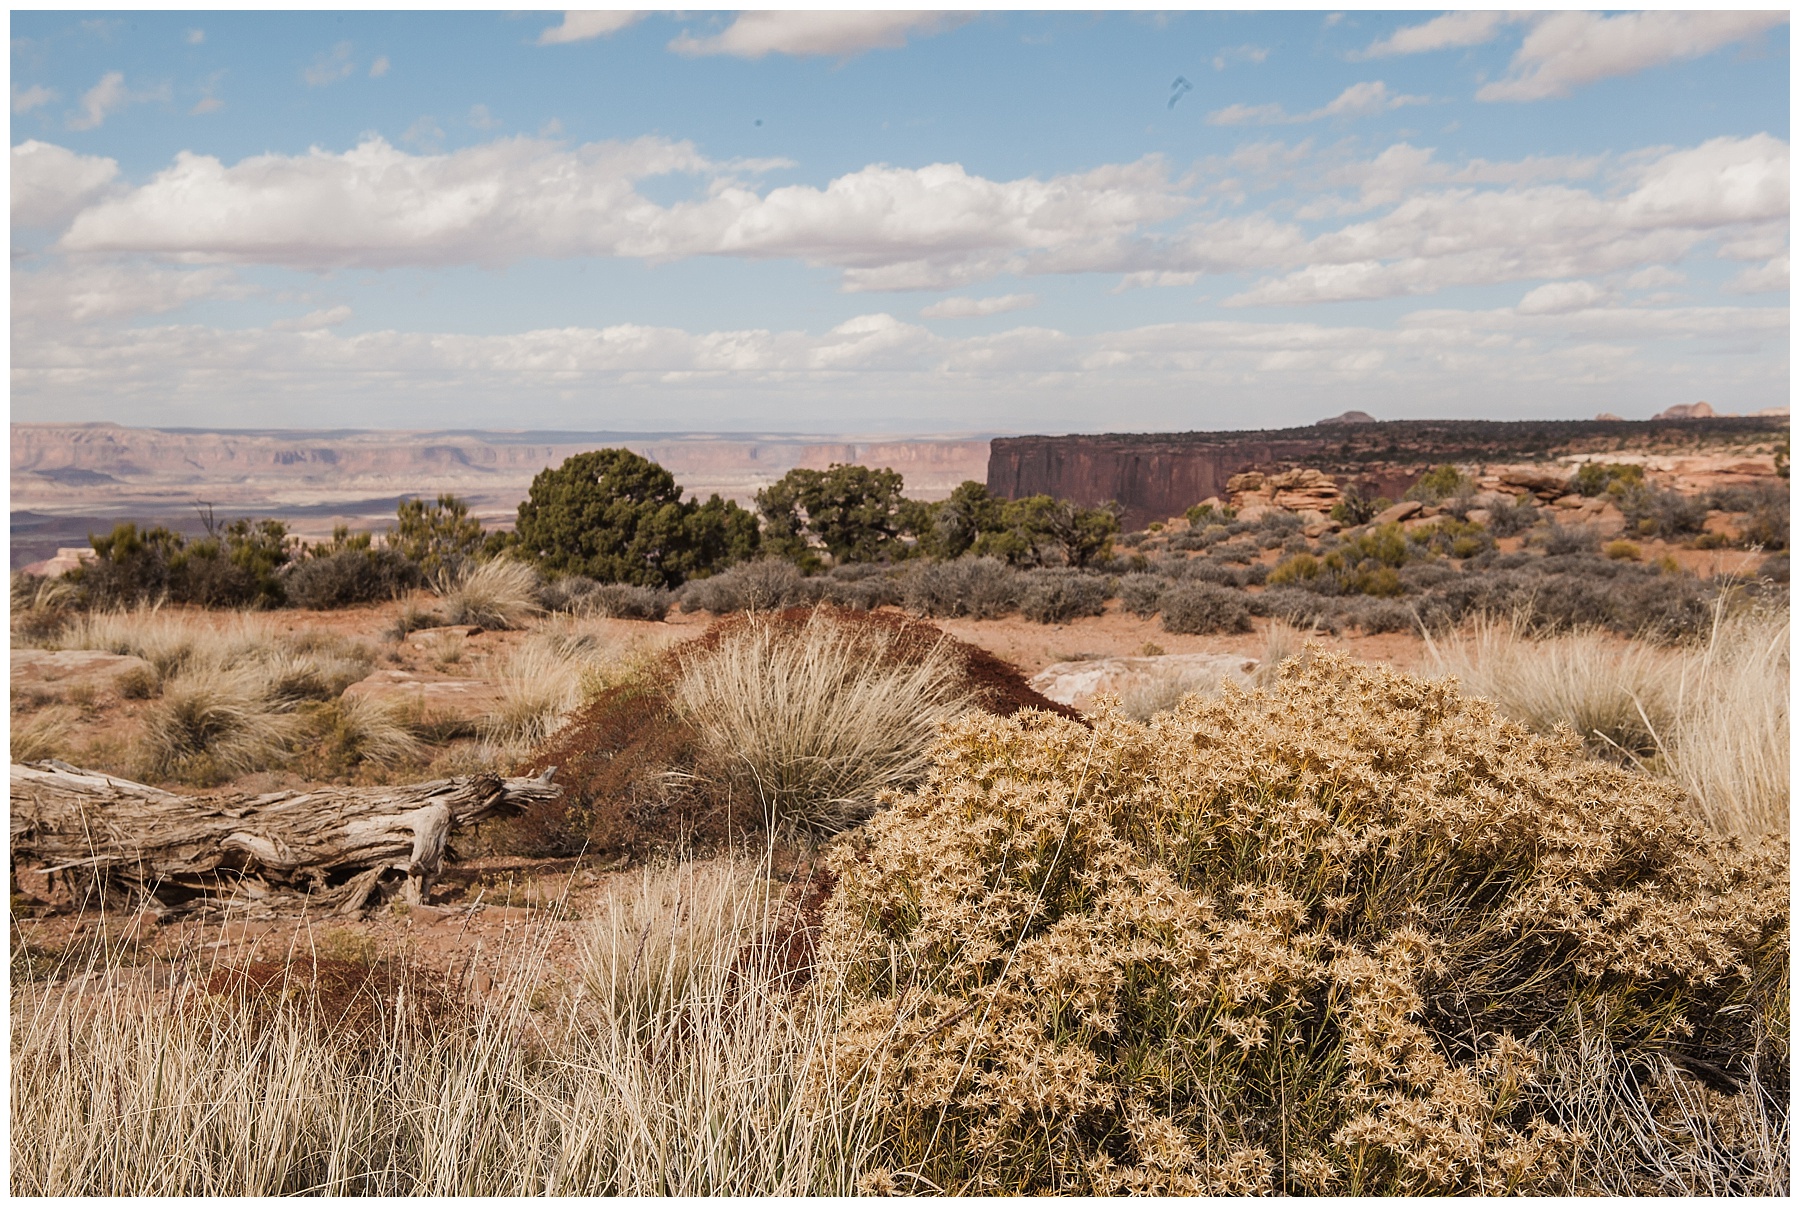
point(930, 604)
point(714, 747)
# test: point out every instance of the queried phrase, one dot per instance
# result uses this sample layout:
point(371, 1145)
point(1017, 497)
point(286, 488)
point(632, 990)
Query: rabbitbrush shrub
point(1319, 939)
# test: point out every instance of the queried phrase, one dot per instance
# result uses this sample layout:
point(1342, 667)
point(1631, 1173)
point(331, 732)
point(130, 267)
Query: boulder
point(72, 668)
point(435, 695)
point(1399, 511)
point(1077, 683)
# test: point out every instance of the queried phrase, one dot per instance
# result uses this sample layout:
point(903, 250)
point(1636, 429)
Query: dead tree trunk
point(340, 846)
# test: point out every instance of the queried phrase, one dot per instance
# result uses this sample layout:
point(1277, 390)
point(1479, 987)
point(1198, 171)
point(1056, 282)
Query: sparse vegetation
point(497, 594)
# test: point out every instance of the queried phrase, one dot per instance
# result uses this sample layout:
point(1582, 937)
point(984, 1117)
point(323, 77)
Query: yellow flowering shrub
point(1312, 939)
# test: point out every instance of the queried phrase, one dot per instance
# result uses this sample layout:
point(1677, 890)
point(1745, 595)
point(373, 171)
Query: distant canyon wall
point(58, 464)
point(1158, 475)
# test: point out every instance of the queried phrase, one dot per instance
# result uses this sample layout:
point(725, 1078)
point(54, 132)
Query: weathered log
point(341, 846)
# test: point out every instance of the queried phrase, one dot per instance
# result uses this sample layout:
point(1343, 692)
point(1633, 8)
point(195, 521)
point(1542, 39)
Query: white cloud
point(425, 133)
point(1154, 279)
point(1440, 33)
point(1462, 236)
point(969, 308)
point(1566, 50)
point(206, 104)
point(330, 67)
point(1764, 278)
point(196, 36)
point(376, 205)
point(481, 119)
point(579, 26)
point(1563, 297)
point(755, 34)
point(379, 67)
point(317, 320)
point(1239, 54)
point(31, 98)
point(1429, 363)
point(1358, 100)
point(1657, 276)
point(83, 293)
point(108, 97)
point(50, 184)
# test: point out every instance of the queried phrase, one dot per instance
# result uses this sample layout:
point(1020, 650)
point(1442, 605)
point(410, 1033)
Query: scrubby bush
point(850, 511)
point(1653, 512)
point(1560, 539)
point(757, 586)
point(1380, 616)
point(439, 538)
point(1059, 596)
point(1204, 608)
point(1367, 563)
point(1141, 594)
point(1353, 509)
point(40, 605)
point(618, 517)
point(857, 587)
point(1439, 483)
point(234, 566)
point(1451, 537)
point(212, 723)
point(1318, 941)
point(1203, 515)
point(1298, 608)
point(978, 587)
point(579, 595)
point(1511, 517)
point(1596, 478)
point(348, 571)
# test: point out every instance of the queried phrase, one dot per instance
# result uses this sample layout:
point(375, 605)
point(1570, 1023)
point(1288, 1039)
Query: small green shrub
point(1440, 483)
point(1596, 478)
point(760, 586)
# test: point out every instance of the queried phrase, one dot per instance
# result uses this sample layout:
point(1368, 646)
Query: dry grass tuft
point(40, 735)
point(547, 677)
point(1728, 744)
point(498, 594)
point(359, 729)
point(212, 724)
point(116, 1094)
point(813, 725)
point(1713, 718)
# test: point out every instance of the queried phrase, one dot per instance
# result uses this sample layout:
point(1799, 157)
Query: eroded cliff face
point(1156, 476)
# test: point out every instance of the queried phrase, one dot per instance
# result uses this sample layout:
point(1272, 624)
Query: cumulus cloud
point(1563, 297)
point(317, 320)
point(1239, 54)
point(330, 67)
point(379, 67)
point(969, 308)
point(84, 293)
point(36, 96)
point(1566, 50)
point(50, 184)
point(1460, 236)
point(378, 206)
point(580, 26)
point(1447, 32)
point(108, 97)
point(1764, 278)
point(755, 34)
point(1358, 100)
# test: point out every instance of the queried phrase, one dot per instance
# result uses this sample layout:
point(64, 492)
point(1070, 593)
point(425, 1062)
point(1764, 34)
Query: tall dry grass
point(497, 594)
point(609, 1092)
point(1713, 717)
point(814, 728)
point(547, 677)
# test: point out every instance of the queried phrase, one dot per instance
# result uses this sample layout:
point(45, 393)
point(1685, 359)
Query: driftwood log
point(76, 831)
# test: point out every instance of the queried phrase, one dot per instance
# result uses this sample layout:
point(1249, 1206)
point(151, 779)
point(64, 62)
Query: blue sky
point(889, 222)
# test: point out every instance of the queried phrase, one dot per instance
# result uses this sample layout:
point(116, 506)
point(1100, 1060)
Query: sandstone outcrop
point(1078, 683)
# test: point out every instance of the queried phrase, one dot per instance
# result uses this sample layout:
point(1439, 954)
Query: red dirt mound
point(345, 997)
point(620, 759)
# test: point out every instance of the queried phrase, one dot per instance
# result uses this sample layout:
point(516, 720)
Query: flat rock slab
point(72, 668)
point(1077, 683)
point(438, 695)
point(431, 637)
